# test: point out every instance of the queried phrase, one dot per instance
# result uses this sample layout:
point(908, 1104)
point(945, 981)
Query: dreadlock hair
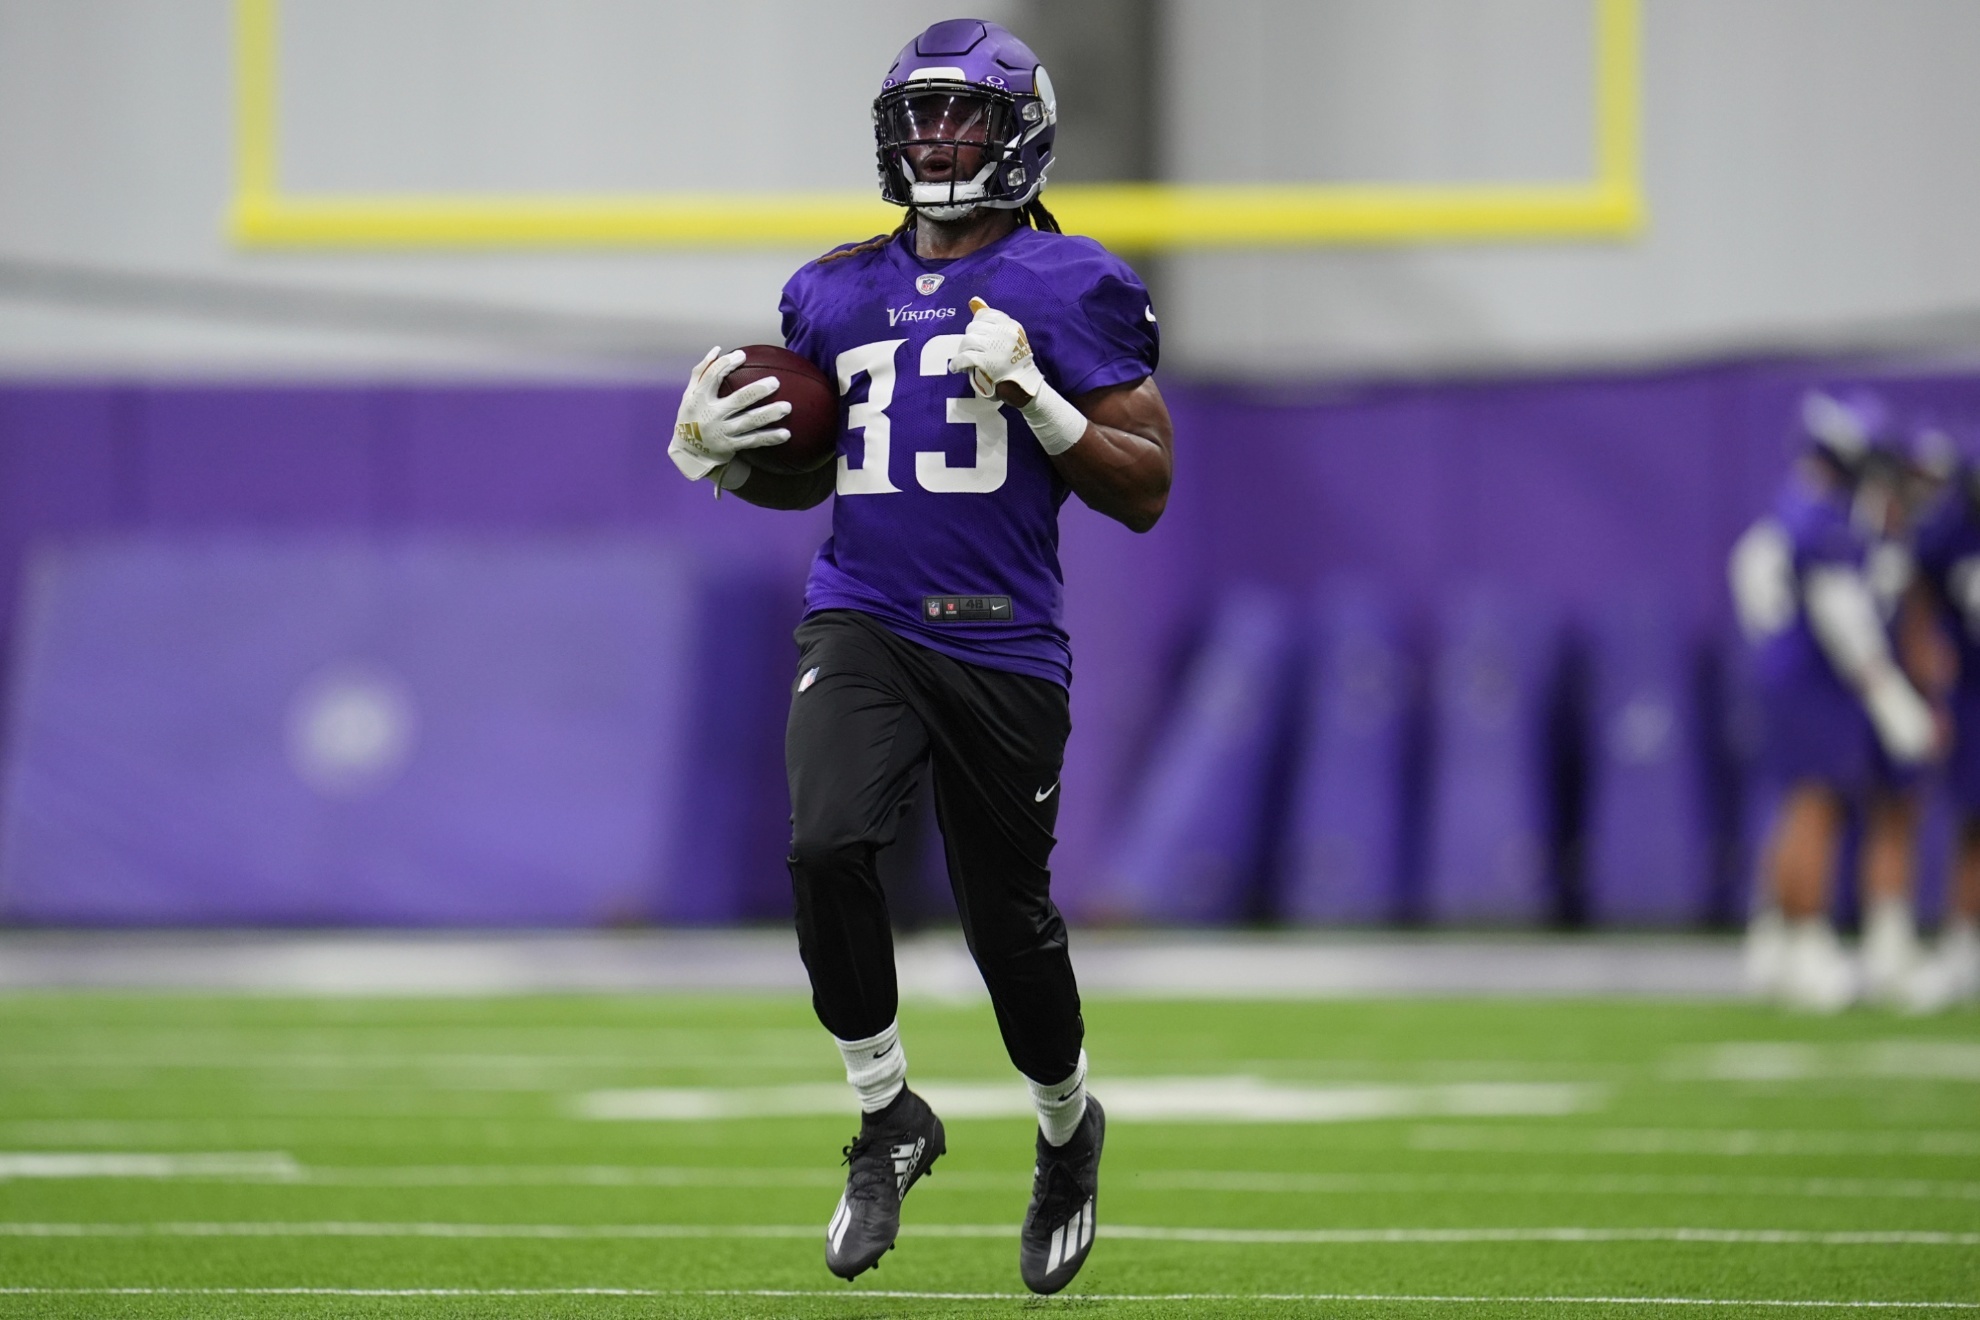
point(1033, 214)
point(1038, 217)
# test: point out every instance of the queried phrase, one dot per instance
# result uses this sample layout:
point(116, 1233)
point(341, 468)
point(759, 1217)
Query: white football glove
point(712, 429)
point(1904, 723)
point(994, 350)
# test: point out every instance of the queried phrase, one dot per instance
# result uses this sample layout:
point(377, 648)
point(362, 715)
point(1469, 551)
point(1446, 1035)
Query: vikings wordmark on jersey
point(942, 493)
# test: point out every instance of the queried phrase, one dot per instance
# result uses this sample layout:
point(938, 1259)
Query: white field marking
point(258, 1166)
point(1910, 1059)
point(1356, 1236)
point(248, 1058)
point(1691, 1141)
point(1924, 1189)
point(616, 1175)
point(909, 1295)
point(1129, 1232)
point(1235, 1099)
point(280, 1167)
point(583, 1175)
point(684, 1103)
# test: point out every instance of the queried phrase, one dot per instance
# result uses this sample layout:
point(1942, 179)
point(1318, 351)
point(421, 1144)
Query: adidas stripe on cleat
point(1069, 1239)
point(895, 1146)
point(1065, 1196)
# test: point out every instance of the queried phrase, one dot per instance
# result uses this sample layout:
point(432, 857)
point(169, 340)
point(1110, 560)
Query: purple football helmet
point(965, 118)
point(1848, 427)
point(1933, 447)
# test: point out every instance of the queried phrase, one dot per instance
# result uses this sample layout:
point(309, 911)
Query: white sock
point(1060, 1107)
point(1891, 917)
point(876, 1067)
point(1962, 936)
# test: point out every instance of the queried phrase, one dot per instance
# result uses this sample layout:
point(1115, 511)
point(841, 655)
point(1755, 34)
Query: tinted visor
point(942, 117)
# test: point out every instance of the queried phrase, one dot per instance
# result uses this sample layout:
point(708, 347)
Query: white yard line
point(1907, 1057)
point(1691, 1141)
point(604, 1175)
point(1336, 1236)
point(232, 1166)
point(256, 1167)
point(1214, 1099)
point(1321, 1184)
point(1130, 1232)
point(862, 1294)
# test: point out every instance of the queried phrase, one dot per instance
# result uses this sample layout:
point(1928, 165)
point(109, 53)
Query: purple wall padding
point(726, 860)
point(223, 457)
point(65, 471)
point(242, 731)
point(1194, 845)
point(525, 458)
point(1343, 854)
point(1569, 491)
point(1488, 810)
point(1647, 850)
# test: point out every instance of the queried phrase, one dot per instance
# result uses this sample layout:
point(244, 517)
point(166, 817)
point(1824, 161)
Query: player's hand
point(712, 428)
point(1902, 719)
point(995, 351)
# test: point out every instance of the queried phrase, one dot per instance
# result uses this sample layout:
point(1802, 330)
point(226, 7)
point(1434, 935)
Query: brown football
point(814, 417)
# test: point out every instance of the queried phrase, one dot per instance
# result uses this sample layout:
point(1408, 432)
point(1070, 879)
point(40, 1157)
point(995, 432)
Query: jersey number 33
point(932, 472)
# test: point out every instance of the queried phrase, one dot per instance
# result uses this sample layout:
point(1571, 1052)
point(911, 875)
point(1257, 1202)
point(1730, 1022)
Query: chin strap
point(949, 214)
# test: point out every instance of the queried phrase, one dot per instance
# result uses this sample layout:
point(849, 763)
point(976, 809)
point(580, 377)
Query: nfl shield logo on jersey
point(810, 677)
point(927, 284)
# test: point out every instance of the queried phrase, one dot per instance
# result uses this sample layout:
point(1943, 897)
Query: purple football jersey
point(1948, 553)
point(946, 525)
point(1820, 535)
point(1813, 726)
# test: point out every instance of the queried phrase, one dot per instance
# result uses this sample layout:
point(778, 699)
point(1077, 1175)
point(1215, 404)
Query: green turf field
point(444, 1158)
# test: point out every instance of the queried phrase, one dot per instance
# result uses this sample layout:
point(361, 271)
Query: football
point(814, 418)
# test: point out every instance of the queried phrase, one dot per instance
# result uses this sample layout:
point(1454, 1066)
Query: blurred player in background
point(1839, 716)
point(1902, 481)
point(993, 366)
point(1948, 580)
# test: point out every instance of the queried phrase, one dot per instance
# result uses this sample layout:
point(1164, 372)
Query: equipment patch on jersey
point(966, 609)
point(927, 284)
point(810, 677)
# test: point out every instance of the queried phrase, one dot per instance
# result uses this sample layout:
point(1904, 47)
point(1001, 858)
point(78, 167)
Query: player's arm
point(1843, 617)
point(777, 490)
point(1922, 648)
point(1113, 446)
point(1124, 460)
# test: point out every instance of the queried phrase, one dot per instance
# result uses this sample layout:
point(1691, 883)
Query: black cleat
point(894, 1147)
point(1065, 1192)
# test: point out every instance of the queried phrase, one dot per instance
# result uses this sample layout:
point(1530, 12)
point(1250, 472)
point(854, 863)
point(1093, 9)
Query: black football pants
point(877, 711)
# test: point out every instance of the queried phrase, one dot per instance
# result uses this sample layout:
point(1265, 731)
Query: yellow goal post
point(1140, 216)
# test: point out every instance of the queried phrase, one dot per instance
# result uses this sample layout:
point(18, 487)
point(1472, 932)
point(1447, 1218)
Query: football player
point(1948, 556)
point(1899, 483)
point(1832, 695)
point(990, 366)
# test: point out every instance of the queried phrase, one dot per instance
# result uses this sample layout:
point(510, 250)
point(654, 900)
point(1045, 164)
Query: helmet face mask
point(965, 118)
point(944, 146)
